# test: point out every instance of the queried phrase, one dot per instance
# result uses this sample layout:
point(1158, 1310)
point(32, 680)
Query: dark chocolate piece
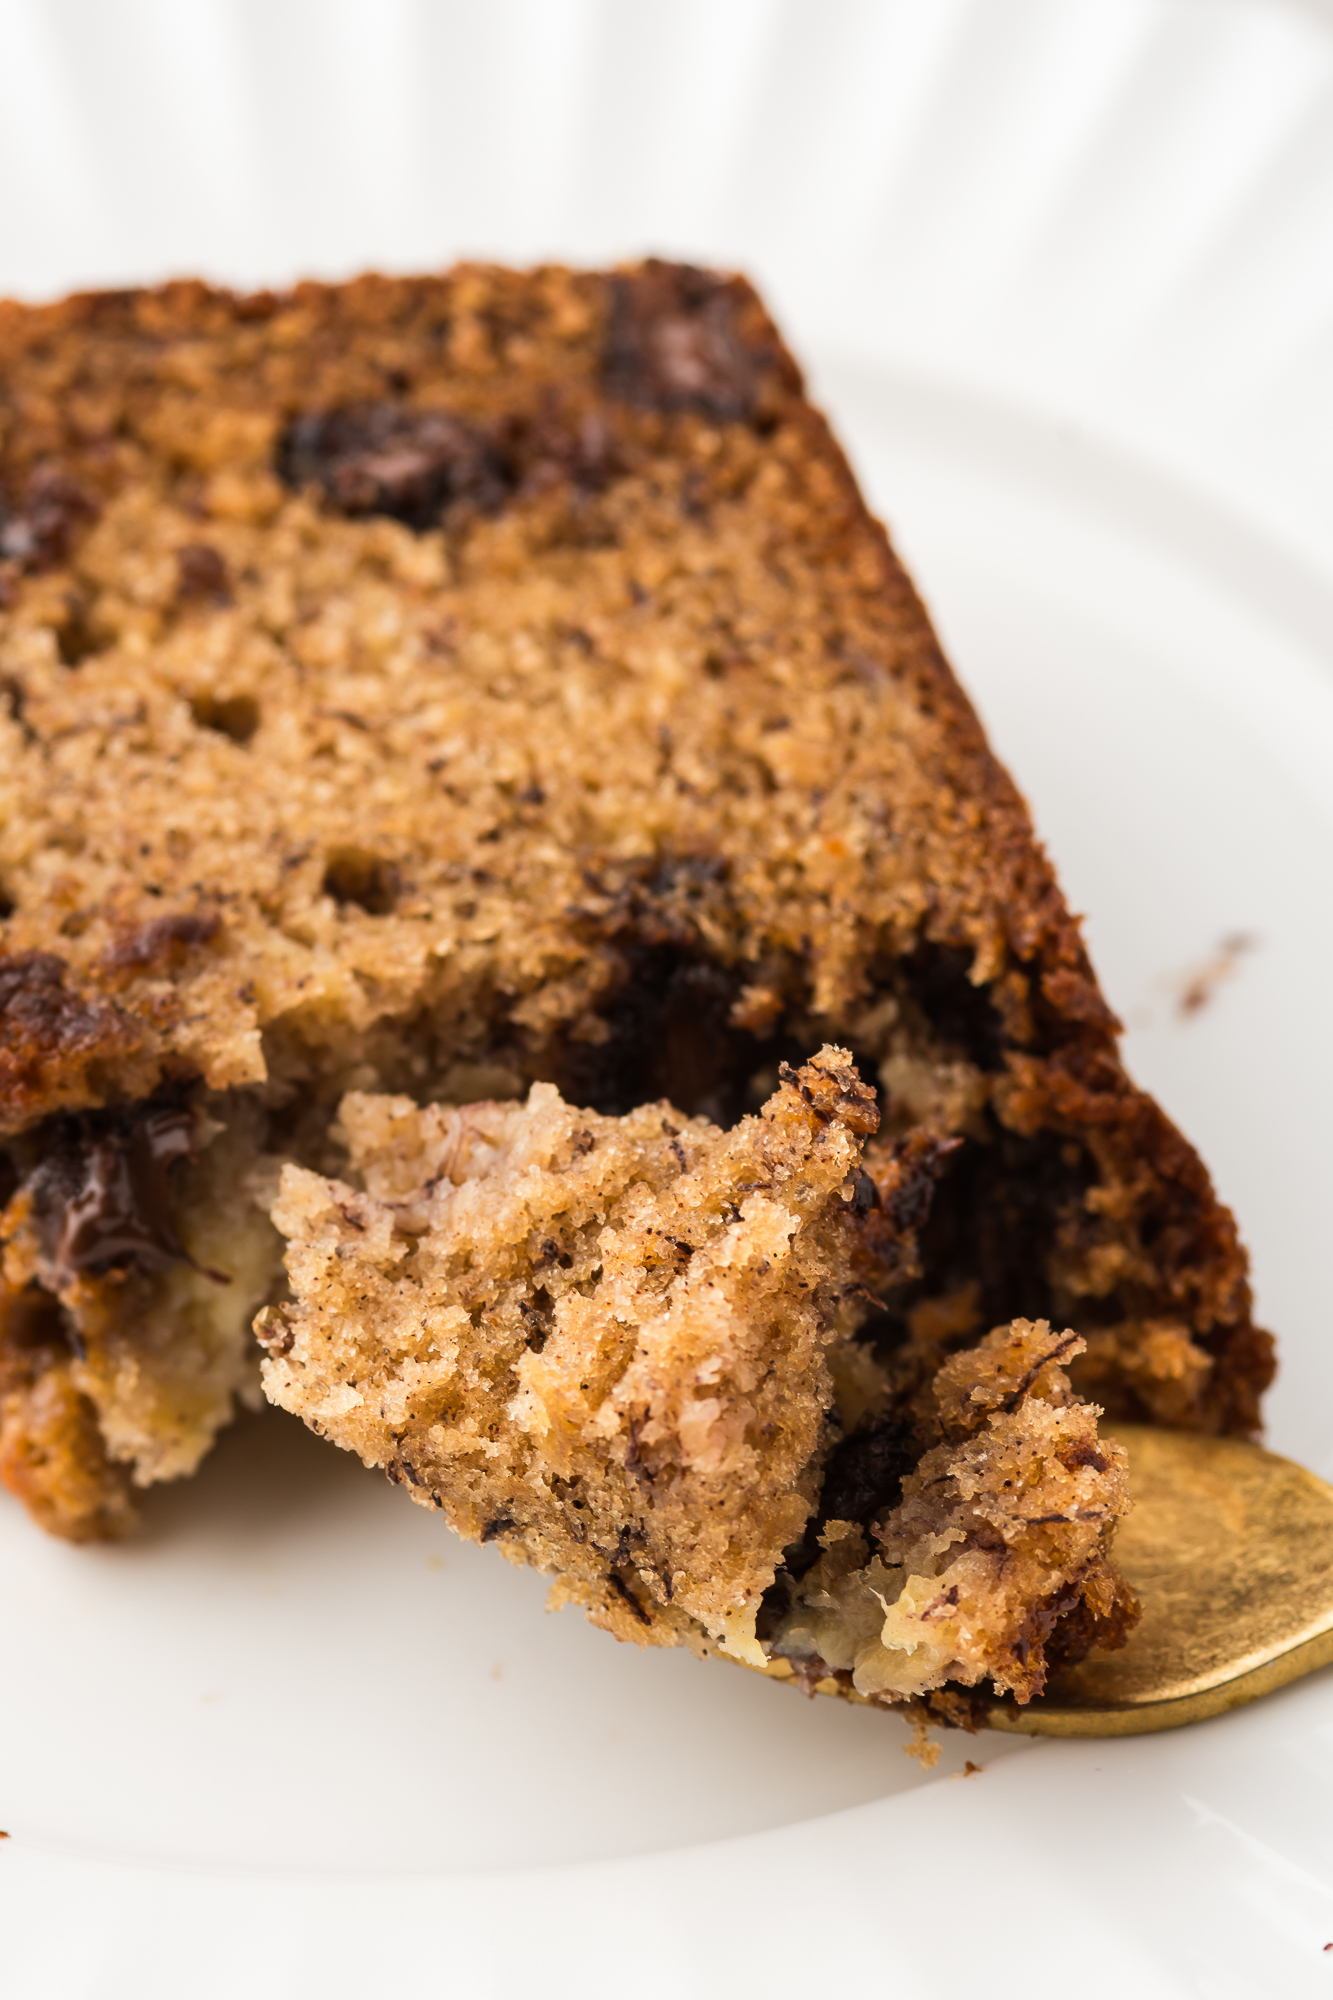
point(417, 465)
point(384, 458)
point(103, 1198)
point(674, 343)
point(864, 1474)
point(39, 532)
point(201, 574)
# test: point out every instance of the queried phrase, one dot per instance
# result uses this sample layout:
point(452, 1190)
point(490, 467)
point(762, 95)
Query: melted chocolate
point(674, 343)
point(104, 1197)
point(863, 1481)
point(937, 979)
point(385, 458)
point(201, 574)
point(998, 1219)
point(418, 465)
point(40, 530)
point(864, 1475)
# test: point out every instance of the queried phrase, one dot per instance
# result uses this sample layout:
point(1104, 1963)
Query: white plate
point(1064, 272)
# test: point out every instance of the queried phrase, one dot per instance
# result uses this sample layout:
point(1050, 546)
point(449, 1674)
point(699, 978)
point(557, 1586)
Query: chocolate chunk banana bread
point(418, 691)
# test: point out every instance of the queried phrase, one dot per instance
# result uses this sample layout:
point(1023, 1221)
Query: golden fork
point(1231, 1550)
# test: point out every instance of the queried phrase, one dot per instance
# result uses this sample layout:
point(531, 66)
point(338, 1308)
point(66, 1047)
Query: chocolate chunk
point(667, 1034)
point(40, 530)
point(78, 637)
point(555, 444)
point(201, 574)
point(937, 979)
point(863, 1481)
point(32, 991)
point(536, 1315)
point(864, 1474)
point(417, 465)
point(384, 458)
point(920, 1159)
point(675, 343)
point(102, 1195)
point(998, 1218)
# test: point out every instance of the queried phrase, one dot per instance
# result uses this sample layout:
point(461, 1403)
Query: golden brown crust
point(1075, 1084)
point(51, 1452)
point(58, 1042)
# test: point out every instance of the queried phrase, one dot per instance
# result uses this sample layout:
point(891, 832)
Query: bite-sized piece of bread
point(1002, 1537)
point(598, 1341)
point(433, 686)
point(606, 1344)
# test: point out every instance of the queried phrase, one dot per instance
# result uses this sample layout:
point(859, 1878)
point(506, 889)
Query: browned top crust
point(441, 683)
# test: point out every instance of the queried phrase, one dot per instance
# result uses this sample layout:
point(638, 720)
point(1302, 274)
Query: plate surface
point(1063, 272)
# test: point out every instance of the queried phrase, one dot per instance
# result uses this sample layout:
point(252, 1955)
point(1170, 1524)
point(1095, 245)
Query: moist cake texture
point(618, 1346)
point(430, 688)
point(600, 1341)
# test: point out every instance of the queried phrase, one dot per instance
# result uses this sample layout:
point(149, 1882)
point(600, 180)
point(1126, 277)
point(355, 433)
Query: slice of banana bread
point(433, 687)
point(625, 1350)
